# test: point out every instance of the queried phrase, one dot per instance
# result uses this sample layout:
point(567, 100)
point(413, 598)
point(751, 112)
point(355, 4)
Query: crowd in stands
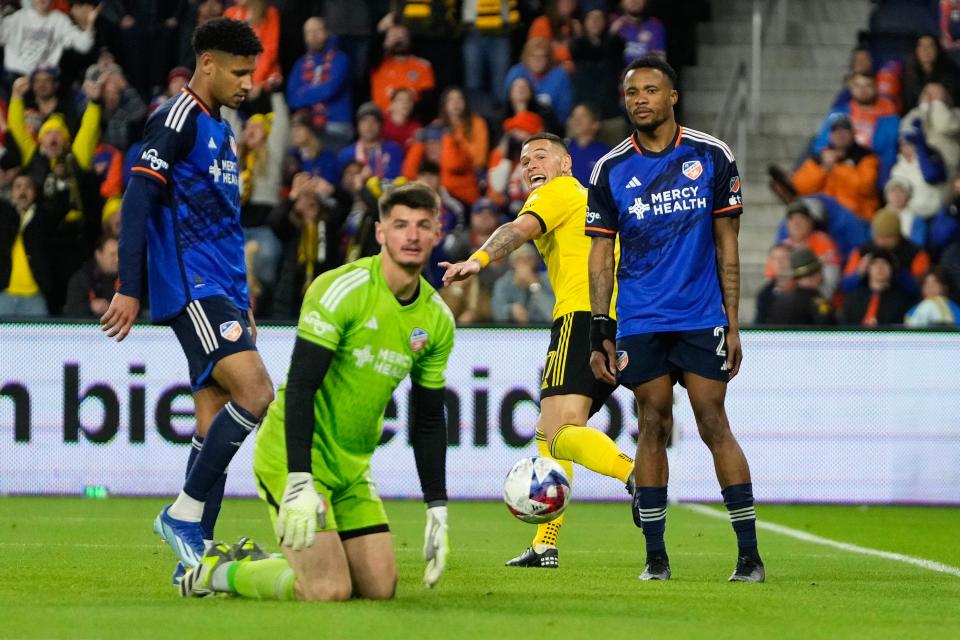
point(871, 233)
point(348, 99)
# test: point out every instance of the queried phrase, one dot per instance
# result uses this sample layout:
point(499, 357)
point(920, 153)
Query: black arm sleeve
point(308, 366)
point(428, 435)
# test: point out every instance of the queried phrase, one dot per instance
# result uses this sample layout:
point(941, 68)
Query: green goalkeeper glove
point(299, 510)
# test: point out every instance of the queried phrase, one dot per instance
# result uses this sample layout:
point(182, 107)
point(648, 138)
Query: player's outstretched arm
point(603, 328)
point(725, 233)
point(501, 243)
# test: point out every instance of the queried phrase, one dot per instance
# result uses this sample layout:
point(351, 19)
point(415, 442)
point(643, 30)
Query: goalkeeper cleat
point(248, 550)
point(178, 573)
point(749, 569)
point(631, 484)
point(658, 568)
point(185, 538)
point(549, 559)
point(196, 582)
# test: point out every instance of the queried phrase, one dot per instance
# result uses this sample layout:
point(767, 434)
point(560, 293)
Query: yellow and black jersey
point(560, 206)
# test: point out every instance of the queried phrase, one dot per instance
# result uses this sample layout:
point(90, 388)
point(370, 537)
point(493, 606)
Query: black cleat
point(749, 569)
point(549, 559)
point(658, 568)
point(631, 484)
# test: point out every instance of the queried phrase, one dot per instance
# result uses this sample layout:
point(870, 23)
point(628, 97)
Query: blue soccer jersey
point(195, 242)
point(663, 205)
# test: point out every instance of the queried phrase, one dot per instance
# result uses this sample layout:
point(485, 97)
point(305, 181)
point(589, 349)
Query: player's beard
point(649, 127)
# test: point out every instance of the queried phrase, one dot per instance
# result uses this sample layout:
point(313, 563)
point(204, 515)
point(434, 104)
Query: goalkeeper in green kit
point(363, 328)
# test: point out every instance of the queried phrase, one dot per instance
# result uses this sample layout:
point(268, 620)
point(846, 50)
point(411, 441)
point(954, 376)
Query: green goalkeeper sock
point(271, 579)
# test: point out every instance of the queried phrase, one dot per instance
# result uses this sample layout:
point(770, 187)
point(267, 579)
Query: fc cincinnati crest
point(734, 184)
point(622, 360)
point(233, 145)
point(418, 339)
point(692, 169)
point(231, 330)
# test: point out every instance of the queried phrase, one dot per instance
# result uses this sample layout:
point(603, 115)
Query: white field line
point(836, 544)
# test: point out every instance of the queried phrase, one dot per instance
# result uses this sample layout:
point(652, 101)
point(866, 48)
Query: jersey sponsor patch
point(734, 184)
point(418, 339)
point(692, 169)
point(153, 158)
point(231, 330)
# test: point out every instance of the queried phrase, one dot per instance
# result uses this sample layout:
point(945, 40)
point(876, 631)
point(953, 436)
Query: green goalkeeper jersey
point(376, 342)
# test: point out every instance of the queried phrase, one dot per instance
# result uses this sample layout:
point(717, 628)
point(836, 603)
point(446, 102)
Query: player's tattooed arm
point(600, 265)
point(508, 237)
point(500, 244)
point(725, 231)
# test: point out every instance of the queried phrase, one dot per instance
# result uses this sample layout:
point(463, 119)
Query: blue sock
point(227, 432)
point(211, 508)
point(650, 507)
point(739, 501)
point(195, 446)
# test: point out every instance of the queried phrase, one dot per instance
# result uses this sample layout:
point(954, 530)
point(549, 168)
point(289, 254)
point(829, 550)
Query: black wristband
point(602, 328)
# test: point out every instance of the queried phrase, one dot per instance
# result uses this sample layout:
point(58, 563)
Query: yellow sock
point(593, 449)
point(548, 532)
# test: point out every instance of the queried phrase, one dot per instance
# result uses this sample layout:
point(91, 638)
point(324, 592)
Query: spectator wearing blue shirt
point(550, 83)
point(583, 125)
point(384, 157)
point(320, 81)
point(643, 35)
point(308, 153)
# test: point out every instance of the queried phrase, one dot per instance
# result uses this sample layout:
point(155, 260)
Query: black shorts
point(645, 356)
point(568, 362)
point(209, 330)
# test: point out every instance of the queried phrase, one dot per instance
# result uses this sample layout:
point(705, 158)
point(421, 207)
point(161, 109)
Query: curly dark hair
point(229, 36)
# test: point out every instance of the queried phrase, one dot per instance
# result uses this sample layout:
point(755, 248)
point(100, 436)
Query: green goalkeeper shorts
point(353, 509)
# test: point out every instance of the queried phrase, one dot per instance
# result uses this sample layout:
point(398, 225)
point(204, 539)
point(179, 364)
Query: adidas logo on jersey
point(372, 323)
point(212, 145)
point(634, 183)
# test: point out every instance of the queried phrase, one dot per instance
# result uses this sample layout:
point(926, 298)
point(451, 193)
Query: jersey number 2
point(722, 345)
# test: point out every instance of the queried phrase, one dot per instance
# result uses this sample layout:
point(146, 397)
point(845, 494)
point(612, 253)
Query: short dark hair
point(549, 137)
point(652, 62)
point(413, 194)
point(235, 37)
point(428, 166)
point(104, 239)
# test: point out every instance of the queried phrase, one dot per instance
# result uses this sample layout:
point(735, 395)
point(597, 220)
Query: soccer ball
point(536, 490)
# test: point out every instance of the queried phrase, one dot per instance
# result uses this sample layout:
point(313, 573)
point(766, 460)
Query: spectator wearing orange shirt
point(467, 128)
point(560, 26)
point(874, 120)
point(265, 21)
point(802, 232)
point(457, 173)
point(843, 170)
point(400, 70)
point(912, 260)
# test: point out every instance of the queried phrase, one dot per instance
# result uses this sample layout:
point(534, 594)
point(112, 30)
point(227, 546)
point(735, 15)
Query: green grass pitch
point(72, 568)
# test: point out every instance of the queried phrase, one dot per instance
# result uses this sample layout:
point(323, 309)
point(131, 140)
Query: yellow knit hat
point(55, 122)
